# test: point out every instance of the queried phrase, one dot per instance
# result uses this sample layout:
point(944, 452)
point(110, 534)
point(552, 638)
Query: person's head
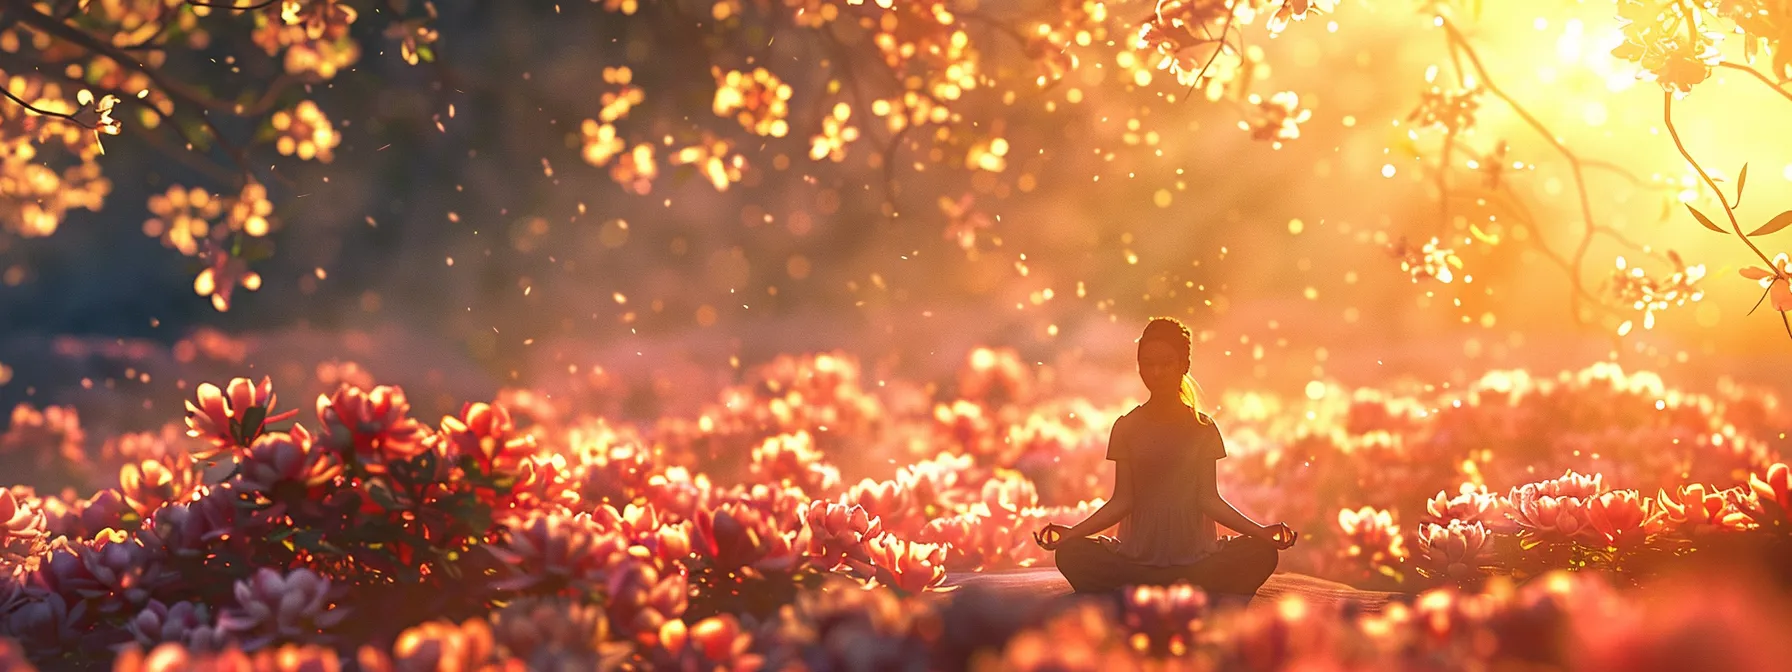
point(1164, 359)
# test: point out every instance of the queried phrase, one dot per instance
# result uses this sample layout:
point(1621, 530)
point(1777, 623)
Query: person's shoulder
point(1205, 419)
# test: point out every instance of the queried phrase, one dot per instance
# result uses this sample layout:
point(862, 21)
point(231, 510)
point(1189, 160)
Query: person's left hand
point(1050, 536)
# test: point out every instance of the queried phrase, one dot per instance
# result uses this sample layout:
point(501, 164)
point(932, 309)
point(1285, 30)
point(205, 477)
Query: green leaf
point(248, 426)
point(1741, 181)
point(1780, 221)
point(1703, 220)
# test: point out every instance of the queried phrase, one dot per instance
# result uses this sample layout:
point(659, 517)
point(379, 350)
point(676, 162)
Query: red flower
point(371, 425)
point(485, 432)
point(1697, 509)
point(232, 419)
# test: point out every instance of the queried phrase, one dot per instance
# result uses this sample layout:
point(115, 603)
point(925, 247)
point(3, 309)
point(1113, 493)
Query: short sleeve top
point(1169, 460)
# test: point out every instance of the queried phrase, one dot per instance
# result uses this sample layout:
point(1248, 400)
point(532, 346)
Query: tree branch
point(1667, 116)
point(39, 110)
point(1458, 41)
point(1757, 73)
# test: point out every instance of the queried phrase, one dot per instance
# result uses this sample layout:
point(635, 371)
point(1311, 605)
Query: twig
point(39, 110)
point(1667, 115)
point(1757, 73)
point(1224, 31)
point(1458, 41)
point(172, 87)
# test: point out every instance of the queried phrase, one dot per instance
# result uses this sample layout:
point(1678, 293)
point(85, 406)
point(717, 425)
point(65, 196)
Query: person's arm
point(1209, 499)
point(1222, 511)
point(1112, 512)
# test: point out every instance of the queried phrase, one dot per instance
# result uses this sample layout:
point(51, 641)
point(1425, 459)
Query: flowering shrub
point(503, 538)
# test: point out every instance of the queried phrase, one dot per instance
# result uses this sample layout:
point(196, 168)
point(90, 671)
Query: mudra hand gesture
point(1281, 535)
point(1050, 536)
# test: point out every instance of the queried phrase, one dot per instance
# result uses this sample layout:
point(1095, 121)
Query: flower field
point(807, 519)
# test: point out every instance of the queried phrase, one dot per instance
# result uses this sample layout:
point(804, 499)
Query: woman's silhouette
point(1165, 498)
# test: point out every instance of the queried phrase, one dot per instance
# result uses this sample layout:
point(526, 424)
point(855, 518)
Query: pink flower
point(549, 552)
point(286, 466)
point(838, 534)
point(126, 573)
point(187, 623)
point(372, 425)
point(613, 474)
point(908, 566)
point(791, 459)
point(1452, 550)
point(678, 492)
point(271, 607)
point(84, 518)
point(149, 484)
point(19, 520)
point(179, 531)
point(231, 419)
point(735, 535)
point(1009, 493)
point(1470, 504)
point(641, 599)
point(1572, 484)
point(888, 501)
point(1547, 516)
point(1623, 518)
point(1371, 533)
point(485, 432)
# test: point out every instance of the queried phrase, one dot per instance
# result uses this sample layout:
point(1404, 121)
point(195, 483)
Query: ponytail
point(1191, 397)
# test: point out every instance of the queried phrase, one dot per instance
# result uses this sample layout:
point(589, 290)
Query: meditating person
point(1165, 498)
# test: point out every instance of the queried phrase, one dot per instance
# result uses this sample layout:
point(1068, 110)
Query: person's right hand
point(1281, 535)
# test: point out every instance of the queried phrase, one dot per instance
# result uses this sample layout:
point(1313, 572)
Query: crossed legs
point(1239, 566)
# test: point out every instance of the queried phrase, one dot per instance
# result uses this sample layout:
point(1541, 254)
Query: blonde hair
point(1173, 331)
